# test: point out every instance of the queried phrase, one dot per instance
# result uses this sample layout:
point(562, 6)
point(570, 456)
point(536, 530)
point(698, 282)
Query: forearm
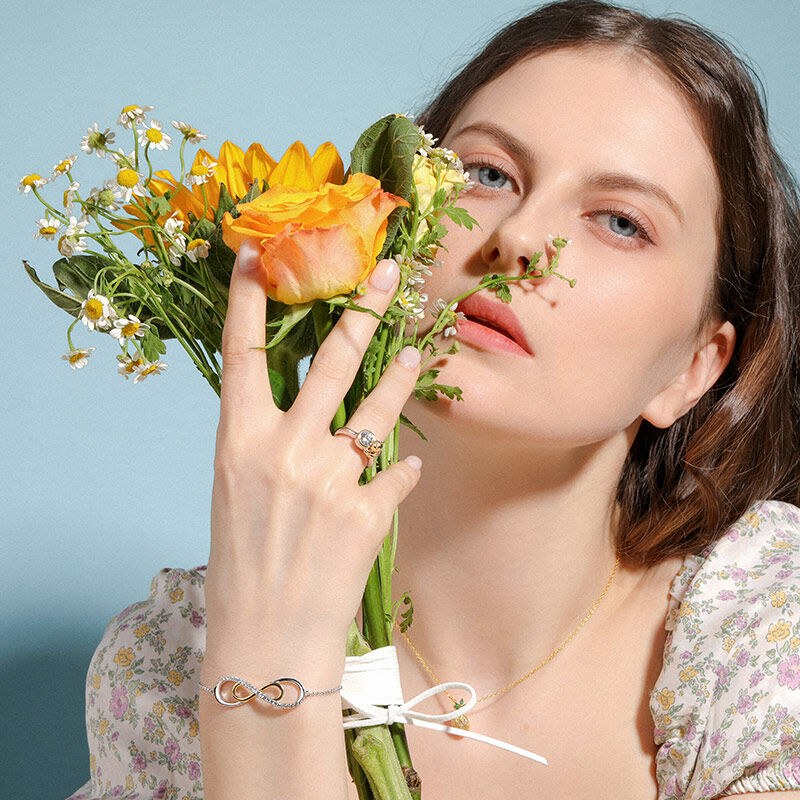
point(259, 752)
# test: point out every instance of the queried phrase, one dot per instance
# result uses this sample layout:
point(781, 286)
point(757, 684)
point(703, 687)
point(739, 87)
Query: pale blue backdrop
point(104, 483)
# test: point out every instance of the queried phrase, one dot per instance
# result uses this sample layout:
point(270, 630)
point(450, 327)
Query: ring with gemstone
point(366, 441)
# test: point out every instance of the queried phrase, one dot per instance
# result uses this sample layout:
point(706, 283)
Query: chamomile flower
point(452, 317)
point(192, 135)
point(28, 182)
point(428, 142)
point(109, 196)
point(131, 114)
point(177, 249)
point(74, 239)
point(200, 173)
point(411, 301)
point(153, 136)
point(49, 228)
point(129, 182)
point(78, 359)
point(123, 159)
point(128, 365)
point(197, 248)
point(64, 166)
point(69, 195)
point(128, 328)
point(148, 368)
point(97, 141)
point(96, 312)
point(173, 226)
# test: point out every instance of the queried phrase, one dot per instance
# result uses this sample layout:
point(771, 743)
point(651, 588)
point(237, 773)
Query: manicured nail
point(247, 258)
point(409, 357)
point(384, 274)
point(414, 461)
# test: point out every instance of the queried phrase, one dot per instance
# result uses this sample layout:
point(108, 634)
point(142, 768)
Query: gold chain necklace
point(462, 721)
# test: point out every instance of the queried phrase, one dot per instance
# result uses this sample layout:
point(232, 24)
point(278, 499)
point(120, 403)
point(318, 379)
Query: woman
point(634, 445)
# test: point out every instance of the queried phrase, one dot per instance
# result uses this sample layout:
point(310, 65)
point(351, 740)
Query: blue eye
point(492, 177)
point(622, 226)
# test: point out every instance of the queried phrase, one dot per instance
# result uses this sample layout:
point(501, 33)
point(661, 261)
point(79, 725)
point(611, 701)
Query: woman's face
point(596, 145)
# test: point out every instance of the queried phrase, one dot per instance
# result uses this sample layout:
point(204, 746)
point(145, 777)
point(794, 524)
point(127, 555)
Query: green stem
point(374, 750)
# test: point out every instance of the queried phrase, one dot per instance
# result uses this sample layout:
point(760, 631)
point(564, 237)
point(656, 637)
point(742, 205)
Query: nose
point(515, 240)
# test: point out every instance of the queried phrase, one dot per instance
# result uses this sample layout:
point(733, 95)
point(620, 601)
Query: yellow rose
point(176, 595)
point(687, 674)
point(158, 708)
point(96, 681)
point(102, 727)
point(426, 180)
point(142, 630)
point(318, 238)
point(124, 656)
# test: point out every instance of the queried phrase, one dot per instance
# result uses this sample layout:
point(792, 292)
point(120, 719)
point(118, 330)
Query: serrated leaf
point(461, 217)
point(63, 300)
point(151, 344)
point(503, 292)
point(159, 206)
point(409, 424)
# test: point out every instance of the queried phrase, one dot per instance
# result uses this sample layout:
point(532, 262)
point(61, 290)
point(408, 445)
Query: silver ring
point(365, 440)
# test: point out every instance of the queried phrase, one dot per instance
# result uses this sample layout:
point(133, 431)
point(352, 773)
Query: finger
point(245, 380)
point(381, 408)
point(336, 363)
point(392, 486)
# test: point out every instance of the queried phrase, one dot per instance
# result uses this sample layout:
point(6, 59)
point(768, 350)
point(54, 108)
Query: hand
point(293, 535)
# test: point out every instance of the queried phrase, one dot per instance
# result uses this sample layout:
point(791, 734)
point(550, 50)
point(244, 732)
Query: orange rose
point(319, 239)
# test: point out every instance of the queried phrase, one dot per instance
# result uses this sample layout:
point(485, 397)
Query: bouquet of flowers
point(322, 230)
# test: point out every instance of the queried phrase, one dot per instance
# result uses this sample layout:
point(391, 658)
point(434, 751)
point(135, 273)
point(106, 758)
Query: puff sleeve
point(726, 705)
point(141, 696)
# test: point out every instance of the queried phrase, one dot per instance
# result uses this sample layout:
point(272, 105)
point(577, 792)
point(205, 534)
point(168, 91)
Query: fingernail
point(248, 256)
point(409, 357)
point(384, 274)
point(414, 461)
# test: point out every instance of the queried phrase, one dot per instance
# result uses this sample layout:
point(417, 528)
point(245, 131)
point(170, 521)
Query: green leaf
point(63, 300)
point(159, 206)
point(503, 292)
point(409, 424)
point(461, 217)
point(280, 394)
point(226, 203)
point(254, 191)
point(287, 321)
point(77, 273)
point(386, 151)
point(203, 229)
point(151, 344)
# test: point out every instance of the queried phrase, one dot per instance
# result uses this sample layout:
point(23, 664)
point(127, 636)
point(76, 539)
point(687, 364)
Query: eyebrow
point(596, 180)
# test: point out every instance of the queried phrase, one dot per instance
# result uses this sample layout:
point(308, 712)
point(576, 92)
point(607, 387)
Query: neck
point(504, 551)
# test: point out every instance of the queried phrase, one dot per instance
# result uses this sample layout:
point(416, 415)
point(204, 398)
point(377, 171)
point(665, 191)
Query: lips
point(496, 315)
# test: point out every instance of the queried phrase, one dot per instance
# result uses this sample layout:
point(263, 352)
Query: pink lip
point(500, 314)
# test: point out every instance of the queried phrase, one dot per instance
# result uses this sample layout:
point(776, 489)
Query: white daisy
point(78, 359)
point(129, 182)
point(123, 159)
point(69, 195)
point(153, 136)
point(128, 365)
point(410, 301)
point(197, 248)
point(177, 249)
point(452, 317)
point(96, 312)
point(28, 182)
point(201, 172)
point(131, 114)
point(64, 166)
point(127, 329)
point(48, 228)
point(97, 140)
point(74, 239)
point(148, 368)
point(192, 135)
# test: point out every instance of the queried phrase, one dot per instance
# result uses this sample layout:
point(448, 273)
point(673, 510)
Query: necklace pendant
point(460, 722)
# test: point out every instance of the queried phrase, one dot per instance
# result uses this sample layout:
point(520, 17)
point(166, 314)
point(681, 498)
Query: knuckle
point(236, 348)
point(335, 367)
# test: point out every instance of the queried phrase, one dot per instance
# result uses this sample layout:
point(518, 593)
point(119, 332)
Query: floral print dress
point(726, 706)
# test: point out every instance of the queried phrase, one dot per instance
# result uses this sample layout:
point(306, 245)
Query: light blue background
point(104, 483)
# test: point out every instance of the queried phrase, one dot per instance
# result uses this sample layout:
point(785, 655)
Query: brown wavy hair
point(683, 486)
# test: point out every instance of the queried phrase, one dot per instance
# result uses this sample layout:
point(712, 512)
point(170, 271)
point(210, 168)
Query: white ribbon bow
point(372, 681)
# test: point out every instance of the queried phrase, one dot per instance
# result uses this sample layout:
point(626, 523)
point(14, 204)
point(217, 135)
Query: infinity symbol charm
point(241, 699)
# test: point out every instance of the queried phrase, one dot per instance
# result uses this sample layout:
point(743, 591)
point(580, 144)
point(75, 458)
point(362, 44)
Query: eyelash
point(645, 234)
point(643, 229)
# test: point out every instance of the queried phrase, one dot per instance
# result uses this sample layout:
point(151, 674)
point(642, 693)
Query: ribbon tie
point(371, 686)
